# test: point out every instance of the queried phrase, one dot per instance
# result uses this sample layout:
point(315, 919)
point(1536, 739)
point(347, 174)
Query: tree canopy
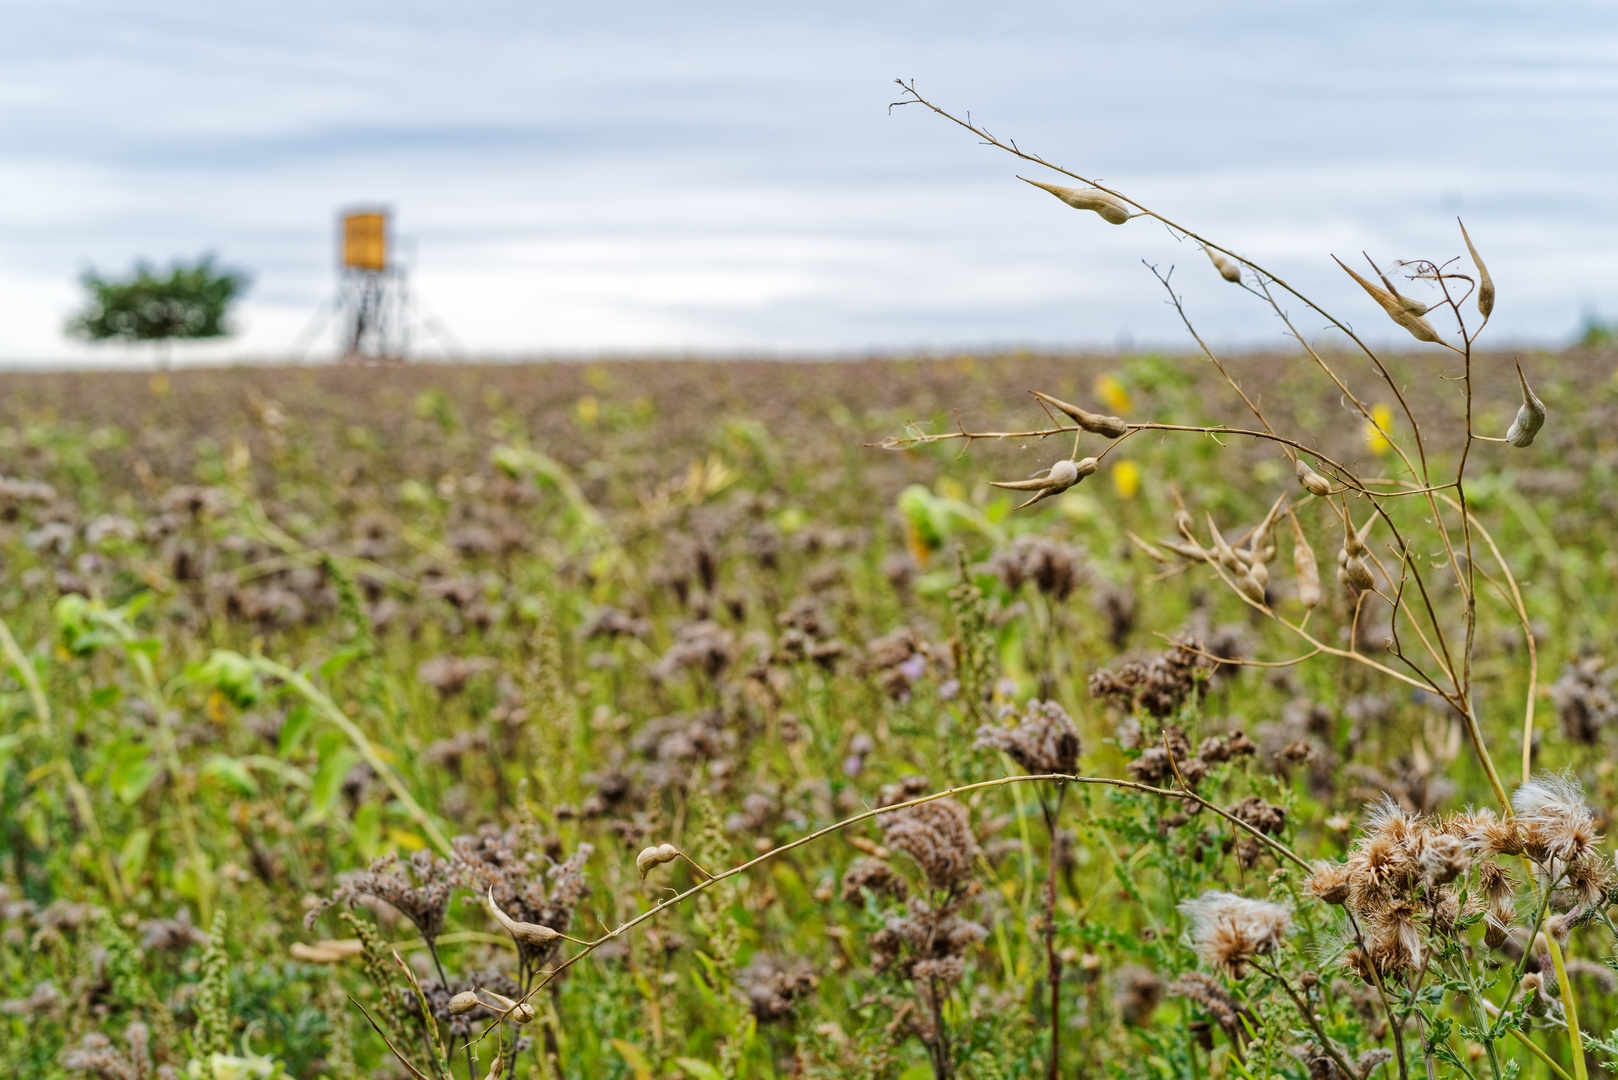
point(193, 301)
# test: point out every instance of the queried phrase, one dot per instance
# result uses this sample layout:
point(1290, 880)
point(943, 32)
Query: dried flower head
point(1555, 821)
point(1044, 740)
point(1228, 931)
point(938, 835)
point(1329, 882)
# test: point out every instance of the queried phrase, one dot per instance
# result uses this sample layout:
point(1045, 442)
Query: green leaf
point(300, 719)
point(368, 830)
point(130, 771)
point(339, 660)
point(107, 697)
point(329, 783)
point(632, 1054)
point(132, 859)
point(700, 1070)
point(232, 774)
point(233, 675)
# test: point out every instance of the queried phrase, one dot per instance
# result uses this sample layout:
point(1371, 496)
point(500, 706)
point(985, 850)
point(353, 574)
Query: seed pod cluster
point(1095, 423)
point(1352, 568)
point(1110, 207)
point(1419, 327)
point(1530, 415)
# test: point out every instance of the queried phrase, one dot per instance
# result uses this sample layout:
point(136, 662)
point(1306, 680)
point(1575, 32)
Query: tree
point(191, 302)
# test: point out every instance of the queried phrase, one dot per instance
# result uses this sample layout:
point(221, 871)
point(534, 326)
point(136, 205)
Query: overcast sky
point(724, 177)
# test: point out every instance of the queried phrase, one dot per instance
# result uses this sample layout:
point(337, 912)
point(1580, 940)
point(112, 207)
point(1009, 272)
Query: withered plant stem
point(1105, 781)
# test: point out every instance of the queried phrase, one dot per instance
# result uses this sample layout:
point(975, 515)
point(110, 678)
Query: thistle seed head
point(1229, 931)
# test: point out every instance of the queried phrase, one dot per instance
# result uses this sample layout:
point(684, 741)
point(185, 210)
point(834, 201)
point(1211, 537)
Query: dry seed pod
point(1057, 479)
point(1228, 269)
point(495, 1066)
point(1108, 206)
point(464, 1002)
point(1312, 482)
point(1250, 586)
point(1419, 327)
point(1227, 555)
point(516, 1012)
point(1485, 282)
point(1357, 573)
point(1303, 564)
point(1530, 416)
point(1191, 550)
point(1415, 307)
point(1259, 573)
point(656, 855)
point(526, 932)
point(1095, 423)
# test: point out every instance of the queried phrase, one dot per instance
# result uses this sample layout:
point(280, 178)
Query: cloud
point(727, 176)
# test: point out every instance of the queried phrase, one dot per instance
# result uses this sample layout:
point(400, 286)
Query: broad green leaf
point(299, 720)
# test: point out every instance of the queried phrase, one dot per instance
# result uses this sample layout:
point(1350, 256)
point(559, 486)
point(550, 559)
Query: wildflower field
point(982, 717)
point(306, 670)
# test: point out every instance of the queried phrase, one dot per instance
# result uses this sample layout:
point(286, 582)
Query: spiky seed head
point(1312, 482)
point(1485, 282)
point(653, 856)
point(1444, 858)
point(1228, 269)
point(1228, 931)
point(1329, 882)
point(1111, 209)
point(1530, 415)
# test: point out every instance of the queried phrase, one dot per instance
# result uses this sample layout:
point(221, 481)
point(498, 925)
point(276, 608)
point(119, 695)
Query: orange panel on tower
point(365, 241)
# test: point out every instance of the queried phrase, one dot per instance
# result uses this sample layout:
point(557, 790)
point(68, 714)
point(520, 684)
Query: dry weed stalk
point(1430, 640)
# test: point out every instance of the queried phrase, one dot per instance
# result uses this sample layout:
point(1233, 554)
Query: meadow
point(339, 698)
